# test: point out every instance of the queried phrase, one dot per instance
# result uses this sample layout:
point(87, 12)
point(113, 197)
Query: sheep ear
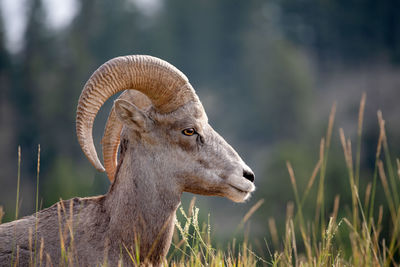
point(131, 115)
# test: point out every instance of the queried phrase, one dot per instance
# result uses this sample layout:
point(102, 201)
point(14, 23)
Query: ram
point(166, 148)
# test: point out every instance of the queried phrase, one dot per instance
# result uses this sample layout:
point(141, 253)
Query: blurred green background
point(267, 72)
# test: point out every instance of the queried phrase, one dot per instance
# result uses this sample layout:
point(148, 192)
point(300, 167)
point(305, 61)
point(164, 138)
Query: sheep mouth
point(239, 194)
point(240, 190)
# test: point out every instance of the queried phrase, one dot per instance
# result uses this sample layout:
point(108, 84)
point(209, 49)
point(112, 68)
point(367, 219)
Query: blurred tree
point(6, 114)
point(30, 77)
point(7, 128)
point(349, 31)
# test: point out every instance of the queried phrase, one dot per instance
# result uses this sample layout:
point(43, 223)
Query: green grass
point(367, 234)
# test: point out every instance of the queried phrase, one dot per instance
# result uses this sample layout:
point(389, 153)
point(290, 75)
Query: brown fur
point(157, 164)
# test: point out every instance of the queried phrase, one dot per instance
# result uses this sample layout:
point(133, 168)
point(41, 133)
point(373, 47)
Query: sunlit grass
point(364, 224)
point(367, 235)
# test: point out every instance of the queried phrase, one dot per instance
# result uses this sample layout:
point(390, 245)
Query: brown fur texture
point(158, 162)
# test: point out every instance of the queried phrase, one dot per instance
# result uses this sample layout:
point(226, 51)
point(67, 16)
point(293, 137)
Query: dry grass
point(360, 238)
point(364, 225)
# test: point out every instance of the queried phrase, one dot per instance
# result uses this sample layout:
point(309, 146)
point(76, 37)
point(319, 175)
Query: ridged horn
point(162, 83)
point(112, 131)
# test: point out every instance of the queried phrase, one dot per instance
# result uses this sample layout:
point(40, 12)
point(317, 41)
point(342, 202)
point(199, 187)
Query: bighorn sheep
point(166, 147)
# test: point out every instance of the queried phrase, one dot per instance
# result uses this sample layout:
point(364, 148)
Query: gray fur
point(157, 163)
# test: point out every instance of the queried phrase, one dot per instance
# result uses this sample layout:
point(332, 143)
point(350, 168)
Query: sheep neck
point(142, 203)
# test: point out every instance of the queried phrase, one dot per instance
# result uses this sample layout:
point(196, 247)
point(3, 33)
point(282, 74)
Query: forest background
point(267, 73)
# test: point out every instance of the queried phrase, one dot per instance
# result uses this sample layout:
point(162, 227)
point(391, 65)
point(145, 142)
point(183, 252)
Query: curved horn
point(112, 131)
point(165, 85)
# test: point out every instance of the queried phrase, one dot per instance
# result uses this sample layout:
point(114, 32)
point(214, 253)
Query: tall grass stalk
point(37, 203)
point(359, 137)
point(1, 213)
point(18, 183)
point(16, 205)
point(324, 152)
point(346, 144)
point(375, 175)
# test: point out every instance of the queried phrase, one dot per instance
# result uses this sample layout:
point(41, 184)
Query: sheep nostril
point(248, 175)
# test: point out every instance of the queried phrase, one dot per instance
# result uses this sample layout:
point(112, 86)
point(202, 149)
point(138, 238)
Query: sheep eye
point(189, 132)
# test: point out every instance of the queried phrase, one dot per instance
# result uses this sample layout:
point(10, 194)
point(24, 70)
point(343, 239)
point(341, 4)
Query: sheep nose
point(249, 175)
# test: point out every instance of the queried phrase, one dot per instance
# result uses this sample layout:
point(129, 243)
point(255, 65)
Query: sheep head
point(167, 121)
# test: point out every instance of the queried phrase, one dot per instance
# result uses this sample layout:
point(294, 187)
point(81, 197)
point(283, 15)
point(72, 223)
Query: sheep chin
point(239, 189)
